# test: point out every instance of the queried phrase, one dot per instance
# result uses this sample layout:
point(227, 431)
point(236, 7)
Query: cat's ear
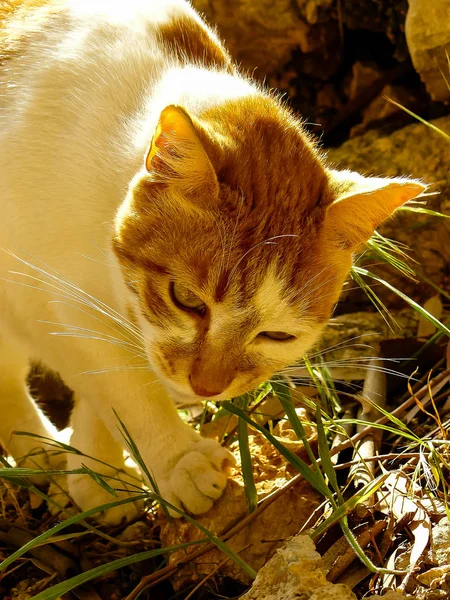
point(363, 203)
point(177, 156)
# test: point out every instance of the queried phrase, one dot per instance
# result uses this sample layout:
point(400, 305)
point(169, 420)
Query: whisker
point(362, 367)
point(343, 344)
point(121, 368)
point(308, 381)
point(78, 308)
point(222, 233)
point(308, 283)
point(83, 297)
point(86, 330)
point(76, 290)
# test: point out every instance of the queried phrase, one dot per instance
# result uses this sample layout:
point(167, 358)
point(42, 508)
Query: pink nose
point(201, 390)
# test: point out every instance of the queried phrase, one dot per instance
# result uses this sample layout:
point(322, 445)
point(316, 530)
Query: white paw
point(87, 494)
point(198, 477)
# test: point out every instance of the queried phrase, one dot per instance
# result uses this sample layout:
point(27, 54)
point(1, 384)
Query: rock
point(297, 572)
point(432, 577)
point(387, 16)
point(428, 39)
point(333, 591)
point(389, 595)
point(439, 553)
point(264, 34)
point(257, 542)
point(135, 531)
point(363, 75)
point(380, 110)
point(415, 151)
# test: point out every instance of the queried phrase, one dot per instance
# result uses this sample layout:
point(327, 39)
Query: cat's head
point(235, 241)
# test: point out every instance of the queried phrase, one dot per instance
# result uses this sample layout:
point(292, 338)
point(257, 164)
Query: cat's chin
point(180, 396)
point(183, 397)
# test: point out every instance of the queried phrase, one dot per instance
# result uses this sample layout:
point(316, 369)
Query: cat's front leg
point(190, 471)
point(92, 438)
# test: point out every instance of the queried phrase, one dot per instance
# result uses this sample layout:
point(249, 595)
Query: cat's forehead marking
point(270, 297)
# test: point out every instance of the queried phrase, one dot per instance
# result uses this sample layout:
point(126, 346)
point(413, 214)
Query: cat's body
point(217, 206)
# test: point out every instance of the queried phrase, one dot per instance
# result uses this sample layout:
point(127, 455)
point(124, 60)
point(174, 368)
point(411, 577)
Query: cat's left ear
point(177, 156)
point(363, 203)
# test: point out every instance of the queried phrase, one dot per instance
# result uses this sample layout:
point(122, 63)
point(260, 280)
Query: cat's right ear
point(177, 158)
point(362, 203)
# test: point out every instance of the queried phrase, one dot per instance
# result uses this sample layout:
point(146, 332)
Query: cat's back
point(36, 34)
point(76, 75)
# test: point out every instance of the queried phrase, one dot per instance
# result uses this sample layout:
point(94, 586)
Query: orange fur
point(193, 42)
point(272, 182)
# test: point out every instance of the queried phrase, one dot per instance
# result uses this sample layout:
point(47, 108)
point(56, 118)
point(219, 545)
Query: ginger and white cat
point(167, 216)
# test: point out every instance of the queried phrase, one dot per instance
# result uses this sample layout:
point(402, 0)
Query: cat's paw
point(198, 478)
point(87, 494)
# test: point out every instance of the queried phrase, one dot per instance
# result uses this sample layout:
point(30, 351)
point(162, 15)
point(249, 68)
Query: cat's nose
point(205, 389)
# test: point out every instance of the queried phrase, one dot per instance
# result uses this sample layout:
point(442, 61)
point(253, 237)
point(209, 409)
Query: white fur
point(77, 113)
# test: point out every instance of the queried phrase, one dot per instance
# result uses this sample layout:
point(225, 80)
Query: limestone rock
point(297, 572)
point(439, 553)
point(257, 542)
point(380, 112)
point(428, 39)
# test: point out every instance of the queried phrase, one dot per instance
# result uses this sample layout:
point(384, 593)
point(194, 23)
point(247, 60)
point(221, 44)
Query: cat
point(170, 221)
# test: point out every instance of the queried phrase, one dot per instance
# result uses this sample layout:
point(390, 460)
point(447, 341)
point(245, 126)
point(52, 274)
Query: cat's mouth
point(183, 393)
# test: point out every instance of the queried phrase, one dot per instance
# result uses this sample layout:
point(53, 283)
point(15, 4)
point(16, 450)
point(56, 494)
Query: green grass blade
point(399, 432)
point(134, 450)
point(211, 537)
point(99, 480)
point(345, 508)
point(246, 459)
point(165, 505)
point(324, 453)
point(424, 211)
point(61, 588)
point(440, 326)
point(71, 449)
point(308, 473)
point(376, 301)
point(51, 442)
point(283, 394)
point(430, 125)
point(15, 473)
point(135, 453)
point(389, 252)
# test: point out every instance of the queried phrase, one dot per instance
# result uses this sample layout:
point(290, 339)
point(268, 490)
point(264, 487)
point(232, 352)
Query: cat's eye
point(185, 298)
point(279, 336)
